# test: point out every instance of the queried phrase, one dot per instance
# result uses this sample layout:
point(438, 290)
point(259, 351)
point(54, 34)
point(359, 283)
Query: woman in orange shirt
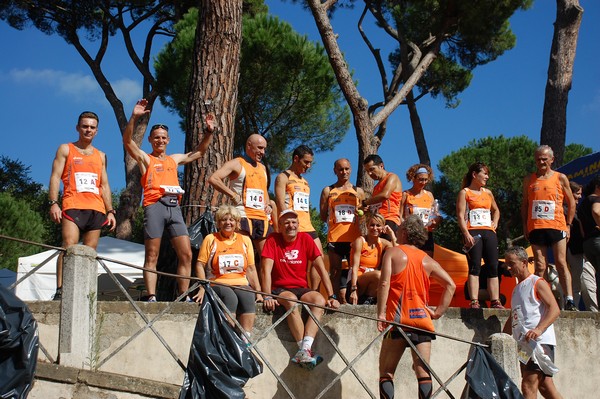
point(365, 257)
point(478, 215)
point(227, 257)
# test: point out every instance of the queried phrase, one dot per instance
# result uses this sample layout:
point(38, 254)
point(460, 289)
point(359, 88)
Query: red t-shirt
point(290, 260)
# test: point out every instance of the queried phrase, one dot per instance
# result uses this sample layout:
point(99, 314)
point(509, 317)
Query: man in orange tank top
point(387, 194)
point(545, 224)
point(403, 298)
point(248, 189)
point(87, 200)
point(293, 192)
point(338, 206)
point(161, 196)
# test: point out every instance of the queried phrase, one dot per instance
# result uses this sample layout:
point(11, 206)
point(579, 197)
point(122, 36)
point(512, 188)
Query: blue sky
point(45, 85)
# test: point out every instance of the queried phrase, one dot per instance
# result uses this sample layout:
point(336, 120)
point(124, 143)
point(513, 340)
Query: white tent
point(41, 285)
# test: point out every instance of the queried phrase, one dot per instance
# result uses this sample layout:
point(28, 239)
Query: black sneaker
point(57, 295)
point(370, 301)
point(570, 306)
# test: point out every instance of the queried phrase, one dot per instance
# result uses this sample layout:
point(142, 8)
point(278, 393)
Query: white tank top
point(527, 310)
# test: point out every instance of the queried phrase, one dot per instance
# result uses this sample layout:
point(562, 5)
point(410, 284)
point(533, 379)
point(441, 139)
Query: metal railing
point(150, 322)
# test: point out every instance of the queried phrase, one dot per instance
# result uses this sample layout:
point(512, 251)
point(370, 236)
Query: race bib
point(543, 210)
point(423, 213)
point(255, 198)
point(301, 201)
point(480, 217)
point(85, 182)
point(344, 213)
point(171, 190)
point(231, 263)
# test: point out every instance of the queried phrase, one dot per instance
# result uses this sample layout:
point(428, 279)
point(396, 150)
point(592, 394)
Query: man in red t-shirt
point(285, 258)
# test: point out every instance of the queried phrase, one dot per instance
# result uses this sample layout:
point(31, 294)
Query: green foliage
point(480, 34)
point(14, 179)
point(18, 220)
point(287, 91)
point(509, 161)
point(319, 225)
point(574, 151)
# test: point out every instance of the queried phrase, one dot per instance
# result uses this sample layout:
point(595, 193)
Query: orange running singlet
point(297, 193)
point(342, 221)
point(251, 186)
point(160, 178)
point(478, 212)
point(390, 208)
point(409, 292)
point(545, 203)
point(82, 181)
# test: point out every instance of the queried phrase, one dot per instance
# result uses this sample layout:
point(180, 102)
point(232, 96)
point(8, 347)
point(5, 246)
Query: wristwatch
point(353, 288)
point(333, 296)
point(52, 202)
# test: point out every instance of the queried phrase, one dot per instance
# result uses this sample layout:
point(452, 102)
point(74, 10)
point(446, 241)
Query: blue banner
point(582, 170)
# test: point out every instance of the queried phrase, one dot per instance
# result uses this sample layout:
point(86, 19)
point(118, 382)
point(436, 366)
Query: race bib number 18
point(344, 213)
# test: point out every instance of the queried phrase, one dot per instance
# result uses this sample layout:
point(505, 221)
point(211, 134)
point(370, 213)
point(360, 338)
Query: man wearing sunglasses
point(162, 193)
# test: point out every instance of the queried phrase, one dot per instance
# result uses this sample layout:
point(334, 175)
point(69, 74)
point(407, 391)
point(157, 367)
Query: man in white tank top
point(533, 310)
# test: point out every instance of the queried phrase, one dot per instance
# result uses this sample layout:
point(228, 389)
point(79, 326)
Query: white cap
point(288, 212)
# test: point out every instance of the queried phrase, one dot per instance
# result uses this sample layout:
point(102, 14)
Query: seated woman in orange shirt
point(365, 258)
point(227, 257)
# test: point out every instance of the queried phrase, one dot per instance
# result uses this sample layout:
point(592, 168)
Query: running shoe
point(57, 295)
point(475, 304)
point(370, 301)
point(305, 359)
point(497, 305)
point(152, 298)
point(570, 306)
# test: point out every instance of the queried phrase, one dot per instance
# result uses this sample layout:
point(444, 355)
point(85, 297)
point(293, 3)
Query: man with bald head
point(248, 189)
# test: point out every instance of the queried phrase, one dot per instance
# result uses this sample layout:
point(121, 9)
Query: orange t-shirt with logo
point(478, 214)
point(226, 259)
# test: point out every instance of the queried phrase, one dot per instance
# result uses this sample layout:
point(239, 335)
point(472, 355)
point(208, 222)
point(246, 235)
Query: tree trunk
point(214, 89)
point(417, 129)
point(560, 75)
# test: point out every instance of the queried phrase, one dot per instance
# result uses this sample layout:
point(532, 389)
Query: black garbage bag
point(220, 363)
point(487, 379)
point(19, 344)
point(202, 227)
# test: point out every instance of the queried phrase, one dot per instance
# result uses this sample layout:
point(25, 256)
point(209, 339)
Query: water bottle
point(466, 248)
point(435, 212)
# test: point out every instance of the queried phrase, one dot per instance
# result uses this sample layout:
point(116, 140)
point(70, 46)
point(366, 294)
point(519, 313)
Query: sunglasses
point(159, 126)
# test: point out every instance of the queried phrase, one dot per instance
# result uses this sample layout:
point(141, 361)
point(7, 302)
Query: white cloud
point(76, 86)
point(128, 91)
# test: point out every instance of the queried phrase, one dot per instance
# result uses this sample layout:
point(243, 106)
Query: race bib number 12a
point(85, 182)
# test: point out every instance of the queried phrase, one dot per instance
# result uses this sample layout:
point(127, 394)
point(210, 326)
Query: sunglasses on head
point(159, 126)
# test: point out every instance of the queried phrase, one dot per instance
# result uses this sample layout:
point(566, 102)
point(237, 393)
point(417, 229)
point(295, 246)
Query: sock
point(307, 342)
point(299, 344)
point(425, 387)
point(386, 388)
point(569, 298)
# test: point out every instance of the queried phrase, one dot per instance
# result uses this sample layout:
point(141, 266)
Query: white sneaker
point(305, 359)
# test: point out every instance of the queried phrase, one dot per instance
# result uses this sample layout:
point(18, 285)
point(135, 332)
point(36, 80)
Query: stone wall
point(145, 357)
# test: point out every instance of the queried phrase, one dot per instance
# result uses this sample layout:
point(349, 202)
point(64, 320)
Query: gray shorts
point(158, 216)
